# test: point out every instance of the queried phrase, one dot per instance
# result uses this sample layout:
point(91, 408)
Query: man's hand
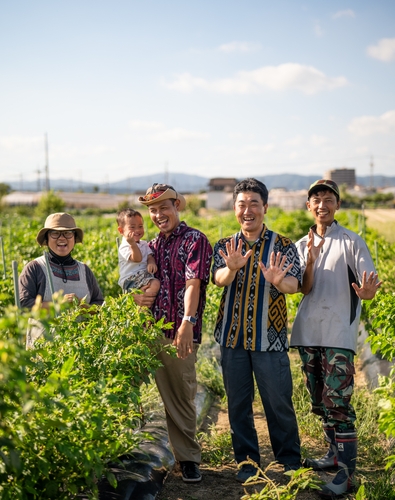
point(144, 299)
point(369, 286)
point(275, 273)
point(152, 268)
point(184, 340)
point(233, 257)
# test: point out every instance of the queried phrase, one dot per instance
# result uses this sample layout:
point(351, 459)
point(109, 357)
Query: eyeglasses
point(57, 234)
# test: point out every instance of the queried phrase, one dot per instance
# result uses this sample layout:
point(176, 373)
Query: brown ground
point(219, 483)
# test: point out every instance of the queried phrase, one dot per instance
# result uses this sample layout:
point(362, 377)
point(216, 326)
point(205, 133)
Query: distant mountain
point(187, 183)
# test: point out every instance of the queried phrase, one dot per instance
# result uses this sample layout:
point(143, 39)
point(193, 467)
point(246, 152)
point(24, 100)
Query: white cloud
point(372, 125)
point(384, 50)
point(288, 76)
point(178, 135)
point(17, 142)
point(318, 31)
point(157, 131)
point(258, 148)
point(295, 141)
point(145, 125)
point(239, 47)
point(343, 13)
point(318, 140)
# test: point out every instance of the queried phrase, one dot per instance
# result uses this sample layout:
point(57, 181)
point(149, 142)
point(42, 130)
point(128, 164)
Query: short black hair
point(126, 213)
point(251, 184)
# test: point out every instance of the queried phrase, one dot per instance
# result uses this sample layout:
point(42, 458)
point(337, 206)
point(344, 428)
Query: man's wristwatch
point(191, 319)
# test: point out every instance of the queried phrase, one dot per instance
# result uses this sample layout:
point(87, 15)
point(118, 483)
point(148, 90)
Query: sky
point(216, 88)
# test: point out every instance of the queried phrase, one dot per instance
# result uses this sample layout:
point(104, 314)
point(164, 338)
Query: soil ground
point(219, 483)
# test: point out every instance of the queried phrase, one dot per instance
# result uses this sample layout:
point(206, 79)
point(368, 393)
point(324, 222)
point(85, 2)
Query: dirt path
point(379, 215)
point(219, 483)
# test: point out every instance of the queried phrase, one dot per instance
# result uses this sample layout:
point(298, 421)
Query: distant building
point(73, 200)
point(287, 200)
point(222, 184)
point(220, 194)
point(342, 176)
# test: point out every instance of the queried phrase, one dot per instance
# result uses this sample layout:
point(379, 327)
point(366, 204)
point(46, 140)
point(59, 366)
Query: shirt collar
point(180, 229)
point(328, 229)
point(262, 236)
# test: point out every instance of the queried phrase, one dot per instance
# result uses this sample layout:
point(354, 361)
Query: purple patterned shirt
point(184, 255)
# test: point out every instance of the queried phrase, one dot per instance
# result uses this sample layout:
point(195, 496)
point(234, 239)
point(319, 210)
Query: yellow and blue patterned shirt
point(252, 312)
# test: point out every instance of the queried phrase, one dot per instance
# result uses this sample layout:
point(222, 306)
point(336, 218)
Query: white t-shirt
point(329, 315)
point(126, 267)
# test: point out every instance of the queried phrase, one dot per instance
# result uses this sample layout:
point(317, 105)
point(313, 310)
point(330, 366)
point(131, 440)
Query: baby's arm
point(151, 264)
point(135, 252)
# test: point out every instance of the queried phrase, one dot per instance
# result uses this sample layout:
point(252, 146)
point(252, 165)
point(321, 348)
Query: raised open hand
point(233, 257)
point(369, 286)
point(276, 272)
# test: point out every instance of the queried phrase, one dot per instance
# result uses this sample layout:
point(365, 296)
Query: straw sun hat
point(159, 192)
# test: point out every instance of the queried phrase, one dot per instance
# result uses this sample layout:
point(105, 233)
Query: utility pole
point(371, 173)
point(46, 164)
point(38, 172)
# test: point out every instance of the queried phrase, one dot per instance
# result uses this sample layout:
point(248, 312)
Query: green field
point(51, 439)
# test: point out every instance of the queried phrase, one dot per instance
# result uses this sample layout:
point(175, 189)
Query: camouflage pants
point(330, 381)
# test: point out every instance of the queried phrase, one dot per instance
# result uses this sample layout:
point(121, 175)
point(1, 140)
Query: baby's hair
point(126, 213)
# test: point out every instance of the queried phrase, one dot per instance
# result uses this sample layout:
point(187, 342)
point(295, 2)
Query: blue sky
point(214, 88)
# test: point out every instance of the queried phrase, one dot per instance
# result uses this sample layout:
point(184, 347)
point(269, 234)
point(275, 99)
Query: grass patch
point(216, 447)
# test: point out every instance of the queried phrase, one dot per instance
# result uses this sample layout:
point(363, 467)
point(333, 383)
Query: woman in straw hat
point(77, 281)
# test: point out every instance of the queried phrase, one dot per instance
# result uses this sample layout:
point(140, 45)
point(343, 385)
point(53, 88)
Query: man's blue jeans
point(273, 377)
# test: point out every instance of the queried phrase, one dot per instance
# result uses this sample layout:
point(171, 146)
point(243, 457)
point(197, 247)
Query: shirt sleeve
point(287, 248)
point(124, 251)
point(199, 256)
point(96, 293)
point(32, 283)
point(301, 248)
point(218, 260)
point(362, 259)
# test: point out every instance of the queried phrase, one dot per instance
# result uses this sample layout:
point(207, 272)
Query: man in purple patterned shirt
point(183, 256)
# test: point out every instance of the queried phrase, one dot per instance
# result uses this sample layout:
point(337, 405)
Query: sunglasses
point(57, 234)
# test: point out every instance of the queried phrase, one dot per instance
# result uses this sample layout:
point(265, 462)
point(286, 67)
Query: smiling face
point(250, 211)
point(133, 225)
point(164, 214)
point(61, 246)
point(323, 206)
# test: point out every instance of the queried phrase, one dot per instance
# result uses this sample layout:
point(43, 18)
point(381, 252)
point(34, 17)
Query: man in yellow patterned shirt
point(256, 267)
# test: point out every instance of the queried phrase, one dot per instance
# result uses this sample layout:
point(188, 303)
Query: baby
point(136, 263)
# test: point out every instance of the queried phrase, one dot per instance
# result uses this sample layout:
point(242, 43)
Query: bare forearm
point(224, 276)
point(308, 279)
point(191, 297)
point(135, 253)
point(288, 285)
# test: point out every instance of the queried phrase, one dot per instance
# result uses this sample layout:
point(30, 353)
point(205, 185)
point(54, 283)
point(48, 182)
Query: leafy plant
point(71, 405)
point(300, 479)
point(216, 446)
point(49, 203)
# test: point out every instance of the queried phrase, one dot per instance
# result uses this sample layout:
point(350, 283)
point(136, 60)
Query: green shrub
point(70, 406)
